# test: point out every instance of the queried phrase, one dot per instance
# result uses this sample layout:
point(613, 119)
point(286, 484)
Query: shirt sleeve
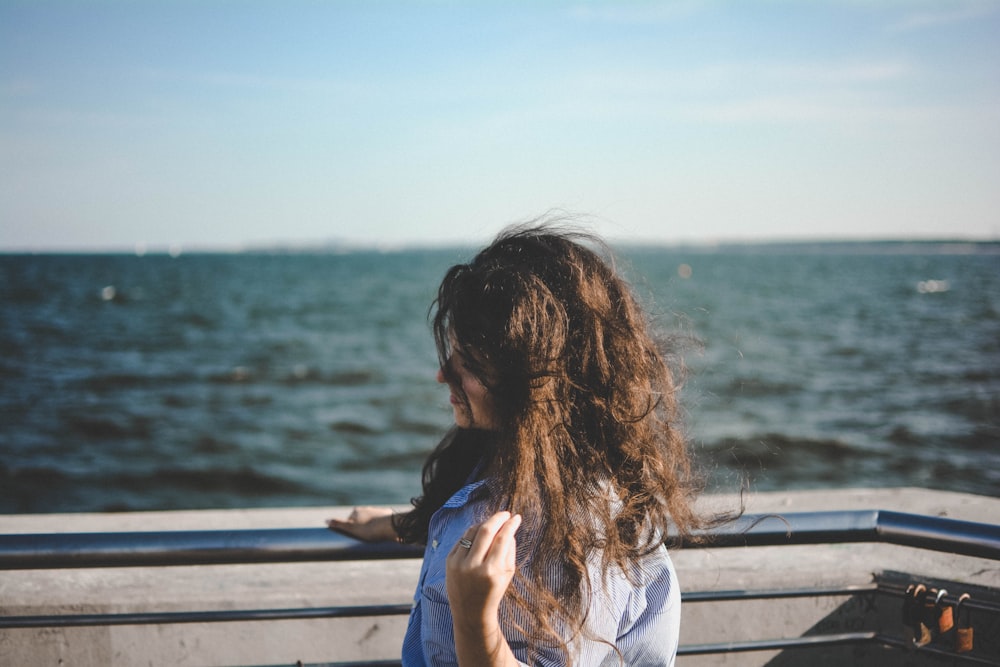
point(652, 638)
point(632, 621)
point(641, 614)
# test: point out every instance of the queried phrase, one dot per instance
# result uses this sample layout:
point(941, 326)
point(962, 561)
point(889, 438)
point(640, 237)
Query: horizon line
point(341, 246)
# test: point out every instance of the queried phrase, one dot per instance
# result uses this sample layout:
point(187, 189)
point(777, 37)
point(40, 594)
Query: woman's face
point(470, 398)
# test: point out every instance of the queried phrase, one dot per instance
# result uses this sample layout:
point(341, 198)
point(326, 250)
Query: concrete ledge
point(295, 585)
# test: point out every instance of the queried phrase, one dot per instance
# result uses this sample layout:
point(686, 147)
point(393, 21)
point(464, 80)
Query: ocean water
point(277, 379)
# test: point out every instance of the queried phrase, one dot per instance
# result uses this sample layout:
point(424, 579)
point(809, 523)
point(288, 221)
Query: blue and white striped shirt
point(643, 621)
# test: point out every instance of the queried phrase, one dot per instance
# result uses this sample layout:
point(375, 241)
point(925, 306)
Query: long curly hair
point(588, 445)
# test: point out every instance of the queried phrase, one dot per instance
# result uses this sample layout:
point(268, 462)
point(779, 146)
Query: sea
point(279, 378)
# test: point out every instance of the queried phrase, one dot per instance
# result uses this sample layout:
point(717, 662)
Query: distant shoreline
point(915, 247)
point(833, 247)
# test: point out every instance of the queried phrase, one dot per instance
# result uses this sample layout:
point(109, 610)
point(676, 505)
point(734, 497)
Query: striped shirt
point(642, 620)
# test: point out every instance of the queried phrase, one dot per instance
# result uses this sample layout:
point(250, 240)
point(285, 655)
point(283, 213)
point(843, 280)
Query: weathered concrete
point(118, 590)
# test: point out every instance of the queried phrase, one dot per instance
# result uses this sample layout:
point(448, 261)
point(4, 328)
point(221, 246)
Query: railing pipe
point(939, 534)
point(757, 530)
point(966, 538)
point(304, 613)
point(212, 547)
point(807, 641)
point(189, 547)
point(216, 616)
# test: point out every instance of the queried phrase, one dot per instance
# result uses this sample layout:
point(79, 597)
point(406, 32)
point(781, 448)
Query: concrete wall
point(294, 585)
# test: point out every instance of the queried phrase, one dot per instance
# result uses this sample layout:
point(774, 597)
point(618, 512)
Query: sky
point(231, 124)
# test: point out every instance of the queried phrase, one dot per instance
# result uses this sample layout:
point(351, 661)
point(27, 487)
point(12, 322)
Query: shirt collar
point(461, 497)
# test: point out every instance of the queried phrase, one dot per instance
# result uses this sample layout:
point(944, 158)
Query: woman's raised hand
point(370, 524)
point(480, 567)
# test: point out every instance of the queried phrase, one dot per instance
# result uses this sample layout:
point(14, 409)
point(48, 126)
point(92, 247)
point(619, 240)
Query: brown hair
point(585, 405)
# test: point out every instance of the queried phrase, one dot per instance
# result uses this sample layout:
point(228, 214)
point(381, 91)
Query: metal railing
point(282, 545)
point(174, 548)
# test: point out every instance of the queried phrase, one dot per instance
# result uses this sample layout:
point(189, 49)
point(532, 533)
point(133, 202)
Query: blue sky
point(216, 124)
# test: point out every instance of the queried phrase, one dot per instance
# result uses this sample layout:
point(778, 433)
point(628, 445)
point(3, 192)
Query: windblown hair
point(588, 446)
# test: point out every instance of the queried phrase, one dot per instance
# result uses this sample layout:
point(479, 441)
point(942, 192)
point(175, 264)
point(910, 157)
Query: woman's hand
point(477, 576)
point(369, 524)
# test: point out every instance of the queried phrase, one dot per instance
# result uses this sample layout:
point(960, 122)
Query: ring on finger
point(465, 543)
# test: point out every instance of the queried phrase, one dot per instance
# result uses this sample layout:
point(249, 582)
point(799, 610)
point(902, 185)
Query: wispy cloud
point(932, 19)
point(738, 80)
point(737, 75)
point(638, 13)
point(21, 87)
point(727, 93)
point(785, 109)
point(226, 79)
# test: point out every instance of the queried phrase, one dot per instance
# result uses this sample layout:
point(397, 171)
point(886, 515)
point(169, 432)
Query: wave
point(35, 489)
point(387, 461)
point(30, 489)
point(298, 375)
point(784, 461)
point(148, 378)
point(244, 480)
point(104, 427)
point(775, 444)
point(101, 382)
point(748, 387)
point(350, 427)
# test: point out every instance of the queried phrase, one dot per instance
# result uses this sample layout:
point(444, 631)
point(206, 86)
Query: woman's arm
point(370, 524)
point(477, 577)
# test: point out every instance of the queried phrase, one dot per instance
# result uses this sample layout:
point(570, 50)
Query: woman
point(545, 509)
